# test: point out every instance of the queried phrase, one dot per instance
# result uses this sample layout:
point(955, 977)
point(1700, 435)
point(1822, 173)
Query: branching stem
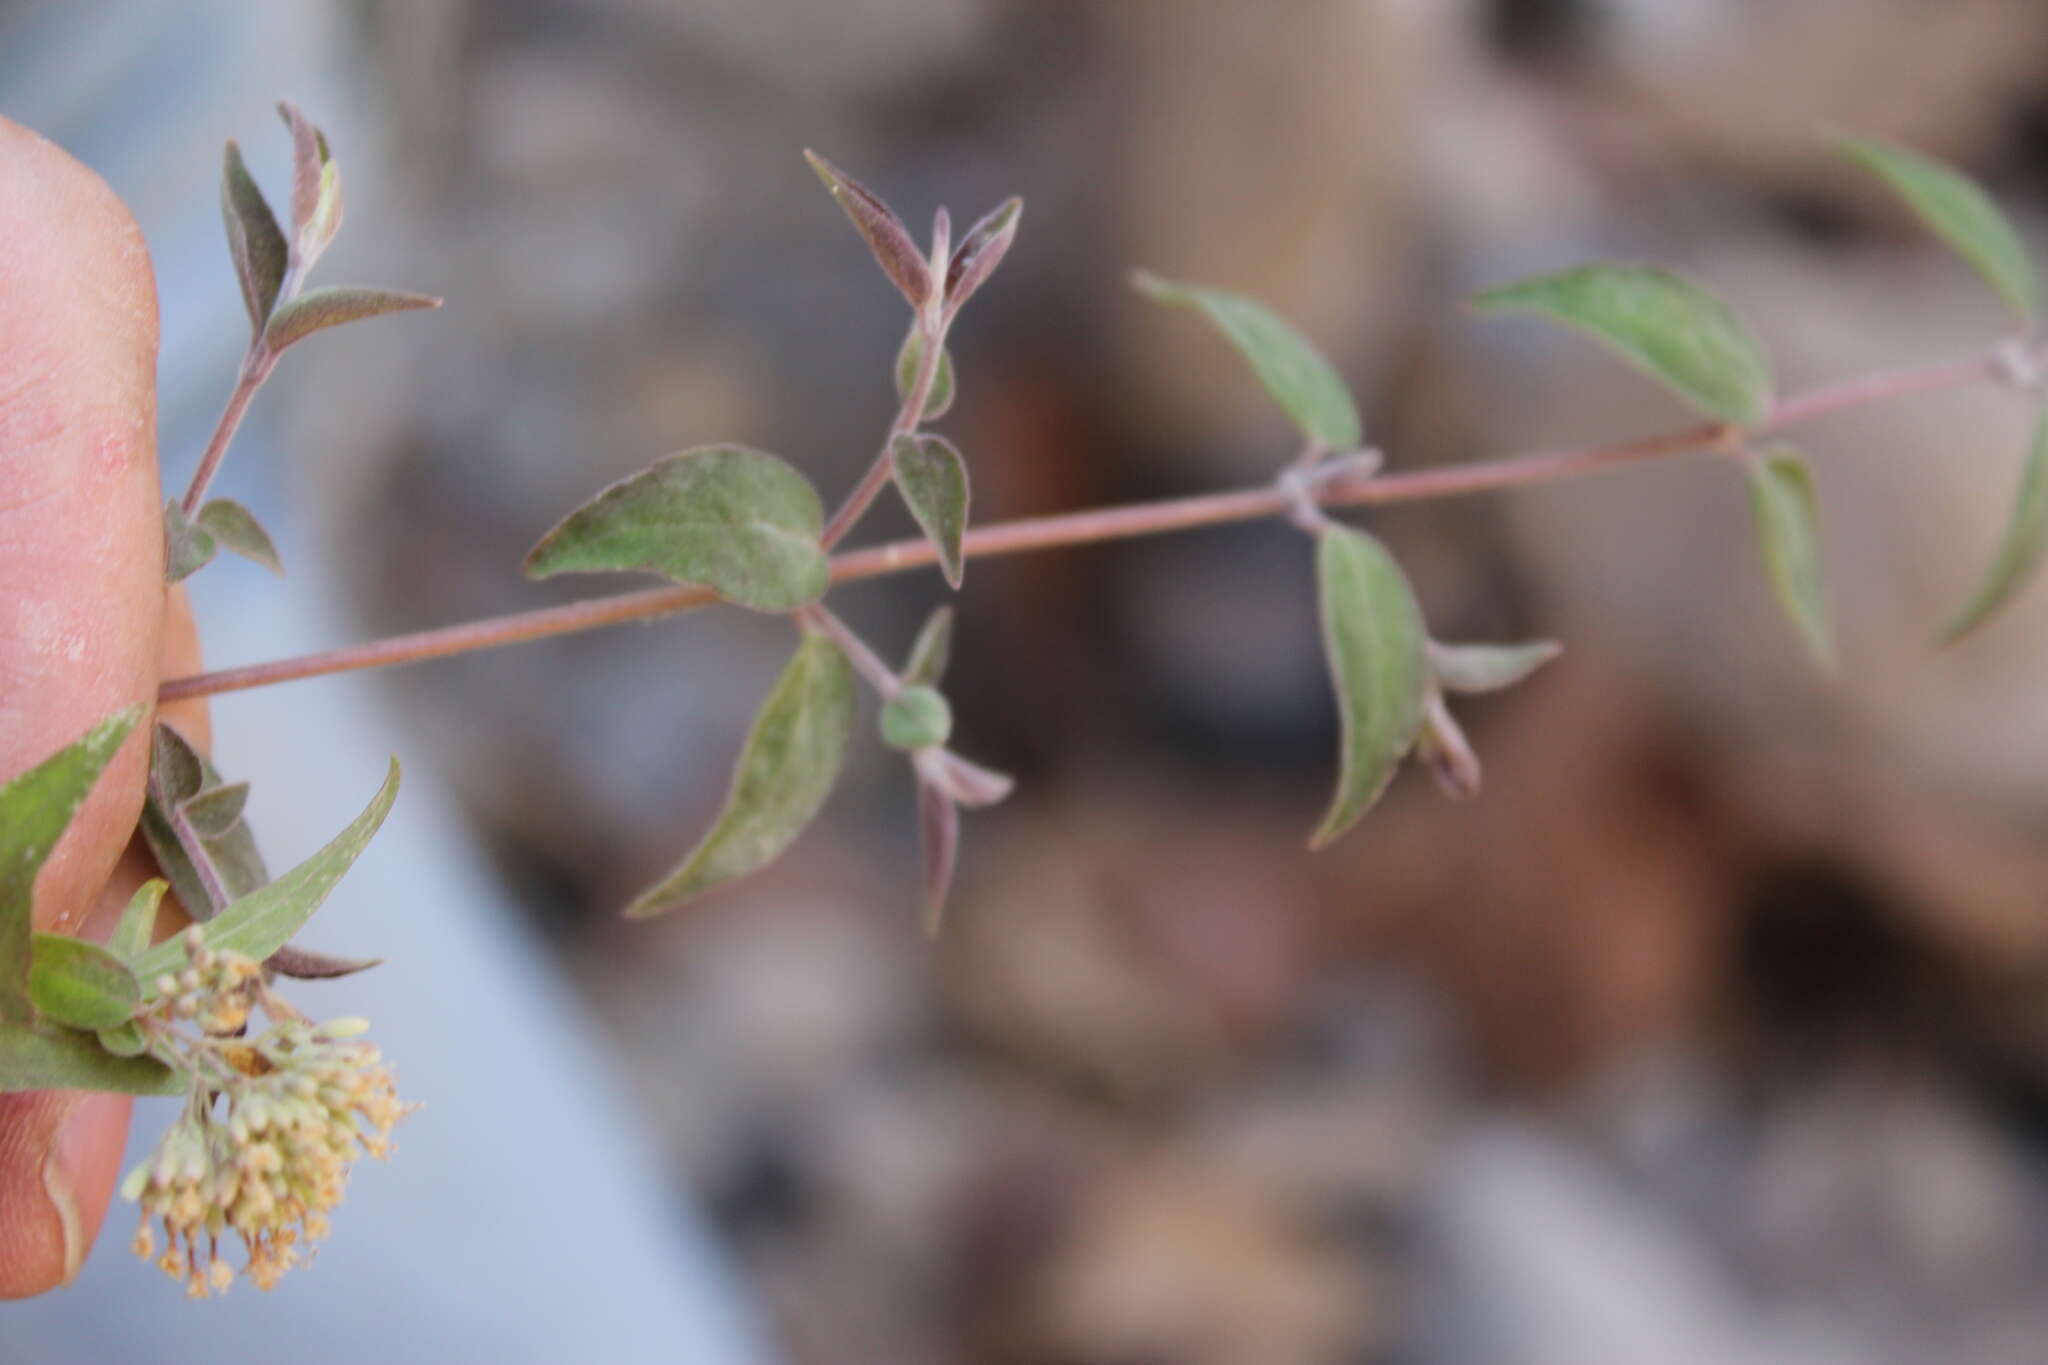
point(1118, 523)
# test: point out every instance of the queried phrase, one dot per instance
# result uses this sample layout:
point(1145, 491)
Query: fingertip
point(60, 1153)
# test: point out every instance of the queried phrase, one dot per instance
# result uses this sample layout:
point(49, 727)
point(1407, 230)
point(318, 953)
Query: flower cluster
point(270, 1130)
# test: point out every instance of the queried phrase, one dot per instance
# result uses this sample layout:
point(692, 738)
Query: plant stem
point(1117, 523)
point(865, 661)
point(257, 364)
point(908, 418)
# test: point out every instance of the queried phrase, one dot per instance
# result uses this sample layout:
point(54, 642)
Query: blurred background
point(1715, 1030)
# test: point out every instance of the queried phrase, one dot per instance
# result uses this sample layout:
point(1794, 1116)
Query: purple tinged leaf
point(258, 924)
point(934, 647)
point(932, 478)
point(188, 546)
point(216, 810)
point(302, 964)
point(938, 821)
point(980, 252)
point(318, 309)
point(255, 242)
point(178, 773)
point(1446, 752)
point(881, 229)
point(970, 784)
point(235, 529)
point(316, 189)
point(1488, 668)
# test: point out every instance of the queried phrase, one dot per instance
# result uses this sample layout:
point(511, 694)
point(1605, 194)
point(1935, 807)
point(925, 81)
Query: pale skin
point(86, 626)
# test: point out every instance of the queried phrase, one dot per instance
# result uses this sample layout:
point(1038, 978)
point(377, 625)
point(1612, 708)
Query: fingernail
point(80, 1134)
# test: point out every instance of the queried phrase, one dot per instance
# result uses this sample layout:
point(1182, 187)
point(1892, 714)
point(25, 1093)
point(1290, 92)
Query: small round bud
point(916, 718)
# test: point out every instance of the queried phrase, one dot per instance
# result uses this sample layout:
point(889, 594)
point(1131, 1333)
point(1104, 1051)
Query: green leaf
point(881, 229)
point(217, 810)
point(80, 984)
point(1488, 668)
point(908, 357)
point(177, 775)
point(123, 1039)
point(318, 309)
point(255, 243)
point(932, 478)
point(1664, 325)
point(1375, 643)
point(35, 809)
point(741, 522)
point(1788, 526)
point(916, 718)
point(49, 1057)
point(1957, 210)
point(934, 647)
point(981, 251)
point(791, 760)
point(316, 188)
point(261, 922)
point(138, 922)
point(236, 529)
point(188, 547)
point(2020, 552)
point(1293, 371)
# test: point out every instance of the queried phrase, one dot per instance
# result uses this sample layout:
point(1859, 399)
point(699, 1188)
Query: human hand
point(86, 626)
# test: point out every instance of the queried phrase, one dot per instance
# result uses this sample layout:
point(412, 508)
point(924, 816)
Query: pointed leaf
point(261, 922)
point(217, 810)
point(1664, 325)
point(938, 821)
point(1293, 371)
point(188, 547)
point(970, 784)
point(255, 243)
point(303, 964)
point(1443, 749)
point(35, 809)
point(928, 657)
point(50, 1057)
point(911, 355)
point(883, 231)
point(981, 251)
point(177, 774)
point(1488, 668)
point(2021, 549)
point(316, 188)
point(138, 922)
point(1374, 639)
point(916, 718)
point(791, 761)
point(80, 984)
point(236, 529)
point(1788, 526)
point(318, 309)
point(741, 522)
point(1957, 210)
point(932, 478)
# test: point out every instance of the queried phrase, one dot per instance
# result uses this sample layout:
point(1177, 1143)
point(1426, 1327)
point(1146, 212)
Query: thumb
point(81, 613)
